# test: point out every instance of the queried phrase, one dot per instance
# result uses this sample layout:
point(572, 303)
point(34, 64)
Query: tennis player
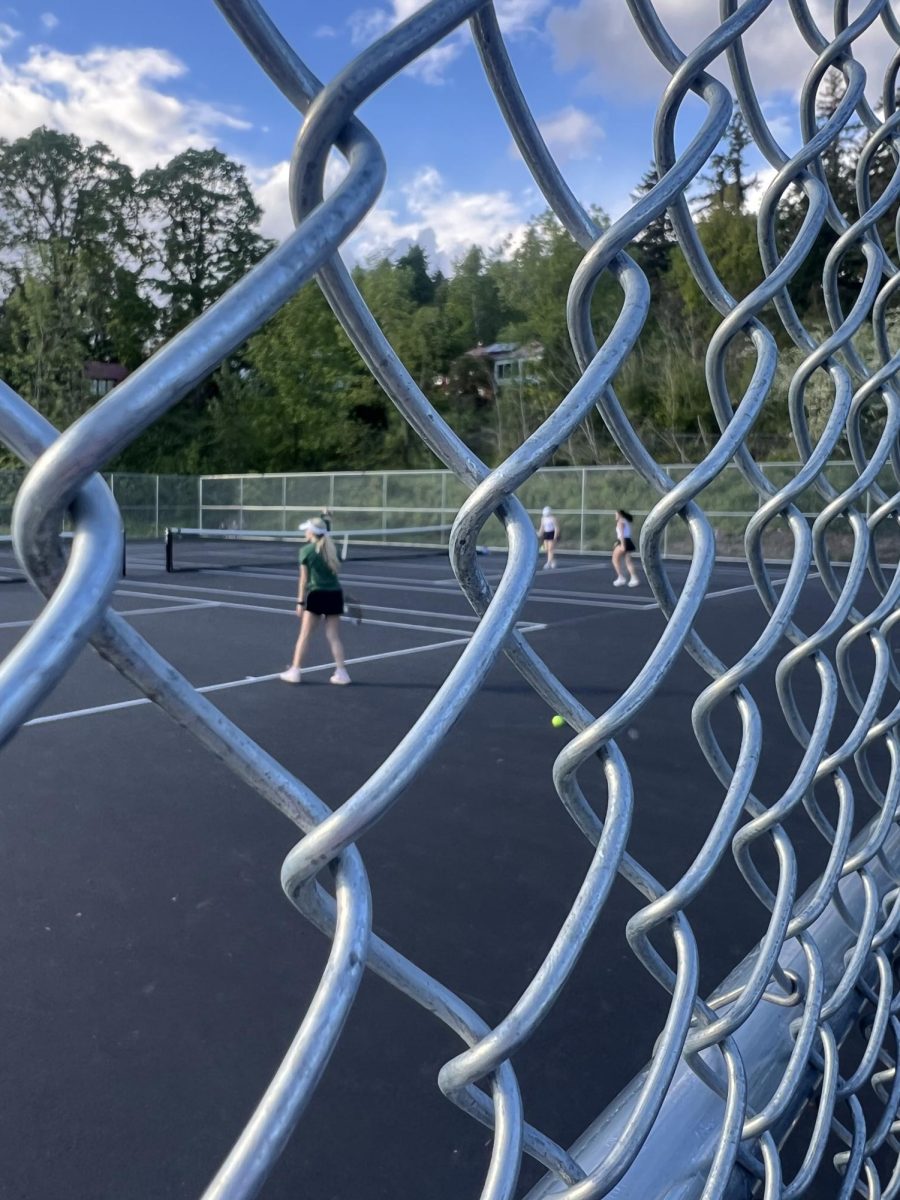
point(623, 550)
point(319, 596)
point(548, 532)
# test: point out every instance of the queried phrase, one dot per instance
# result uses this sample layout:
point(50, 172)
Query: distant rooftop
point(507, 350)
point(114, 372)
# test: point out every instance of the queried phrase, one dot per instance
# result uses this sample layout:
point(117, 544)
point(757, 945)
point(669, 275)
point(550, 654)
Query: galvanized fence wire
point(729, 1075)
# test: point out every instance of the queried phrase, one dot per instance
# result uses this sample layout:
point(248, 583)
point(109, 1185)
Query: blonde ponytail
point(325, 547)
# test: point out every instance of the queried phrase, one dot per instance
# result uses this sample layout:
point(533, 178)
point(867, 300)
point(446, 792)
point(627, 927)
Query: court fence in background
point(148, 503)
point(584, 500)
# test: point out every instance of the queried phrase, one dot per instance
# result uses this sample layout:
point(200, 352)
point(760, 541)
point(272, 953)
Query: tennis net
point(254, 549)
point(10, 568)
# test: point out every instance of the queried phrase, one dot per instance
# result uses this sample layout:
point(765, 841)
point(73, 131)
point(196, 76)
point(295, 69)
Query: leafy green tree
point(474, 310)
point(728, 182)
point(43, 335)
point(656, 241)
point(205, 238)
point(422, 286)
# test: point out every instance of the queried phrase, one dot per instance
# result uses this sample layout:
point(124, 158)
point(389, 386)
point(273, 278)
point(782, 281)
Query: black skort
point(326, 603)
point(548, 535)
point(627, 545)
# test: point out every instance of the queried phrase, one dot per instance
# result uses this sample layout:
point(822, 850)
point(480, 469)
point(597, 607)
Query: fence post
point(384, 499)
point(284, 502)
point(583, 495)
point(156, 511)
point(200, 502)
point(241, 503)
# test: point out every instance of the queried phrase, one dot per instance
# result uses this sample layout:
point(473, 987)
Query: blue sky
point(151, 78)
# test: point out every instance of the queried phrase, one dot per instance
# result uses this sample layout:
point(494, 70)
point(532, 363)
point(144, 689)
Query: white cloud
point(368, 24)
point(515, 17)
point(49, 20)
point(111, 95)
point(603, 38)
point(270, 187)
point(7, 35)
point(443, 220)
point(570, 134)
point(325, 31)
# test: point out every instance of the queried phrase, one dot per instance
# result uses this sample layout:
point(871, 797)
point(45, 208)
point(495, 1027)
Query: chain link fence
point(717, 1111)
point(584, 499)
point(148, 503)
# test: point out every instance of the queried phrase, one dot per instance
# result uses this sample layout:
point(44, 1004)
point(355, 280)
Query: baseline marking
point(247, 681)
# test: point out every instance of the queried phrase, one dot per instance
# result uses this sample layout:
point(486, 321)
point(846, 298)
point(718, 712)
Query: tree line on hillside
point(98, 264)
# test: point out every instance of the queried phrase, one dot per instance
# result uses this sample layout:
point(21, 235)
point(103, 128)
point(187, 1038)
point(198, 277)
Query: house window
point(99, 387)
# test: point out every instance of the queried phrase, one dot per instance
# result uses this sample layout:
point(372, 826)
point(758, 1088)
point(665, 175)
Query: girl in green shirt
point(319, 595)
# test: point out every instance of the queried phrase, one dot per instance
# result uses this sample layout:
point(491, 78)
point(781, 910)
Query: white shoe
point(552, 565)
point(546, 566)
point(291, 675)
point(619, 581)
point(634, 582)
point(340, 677)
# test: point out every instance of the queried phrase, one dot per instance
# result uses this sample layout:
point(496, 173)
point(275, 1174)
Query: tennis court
point(155, 973)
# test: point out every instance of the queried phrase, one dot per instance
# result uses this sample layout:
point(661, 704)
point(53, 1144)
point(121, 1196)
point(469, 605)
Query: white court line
point(624, 603)
point(138, 612)
point(537, 597)
point(212, 591)
point(751, 587)
point(120, 591)
point(247, 681)
point(290, 610)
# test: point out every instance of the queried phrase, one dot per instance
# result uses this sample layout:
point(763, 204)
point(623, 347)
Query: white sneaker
point(634, 582)
point(552, 565)
point(340, 677)
point(546, 567)
point(619, 581)
point(291, 675)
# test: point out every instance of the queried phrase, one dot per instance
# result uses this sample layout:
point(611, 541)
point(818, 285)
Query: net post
point(170, 562)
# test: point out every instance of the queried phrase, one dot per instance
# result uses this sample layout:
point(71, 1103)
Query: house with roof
point(510, 362)
point(102, 377)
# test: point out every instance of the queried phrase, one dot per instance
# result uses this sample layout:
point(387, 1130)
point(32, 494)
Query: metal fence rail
point(733, 1071)
point(584, 499)
point(148, 503)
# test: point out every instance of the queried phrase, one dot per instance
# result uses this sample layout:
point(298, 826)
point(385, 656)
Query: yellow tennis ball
point(557, 722)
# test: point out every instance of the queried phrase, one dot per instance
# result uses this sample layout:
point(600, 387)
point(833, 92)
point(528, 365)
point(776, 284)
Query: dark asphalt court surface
point(154, 973)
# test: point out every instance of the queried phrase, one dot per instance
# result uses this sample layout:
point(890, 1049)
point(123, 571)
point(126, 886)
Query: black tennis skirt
point(548, 535)
point(627, 545)
point(324, 603)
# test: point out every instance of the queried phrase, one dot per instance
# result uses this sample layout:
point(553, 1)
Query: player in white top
point(623, 550)
point(548, 533)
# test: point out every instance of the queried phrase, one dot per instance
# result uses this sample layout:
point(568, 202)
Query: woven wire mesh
point(728, 1077)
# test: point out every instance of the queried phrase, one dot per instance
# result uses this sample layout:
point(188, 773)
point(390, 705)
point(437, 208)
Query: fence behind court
point(148, 503)
point(583, 498)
